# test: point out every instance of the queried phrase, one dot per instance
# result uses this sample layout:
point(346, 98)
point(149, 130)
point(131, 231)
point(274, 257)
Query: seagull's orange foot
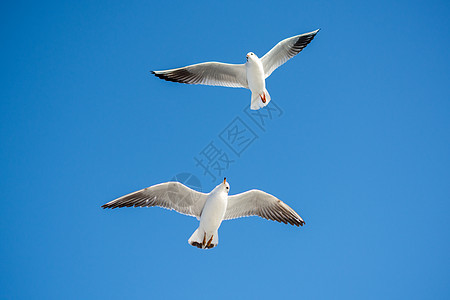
point(209, 242)
point(263, 97)
point(204, 241)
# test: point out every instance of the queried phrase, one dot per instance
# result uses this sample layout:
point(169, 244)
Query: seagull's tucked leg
point(204, 241)
point(266, 97)
point(208, 245)
point(213, 241)
point(259, 100)
point(263, 97)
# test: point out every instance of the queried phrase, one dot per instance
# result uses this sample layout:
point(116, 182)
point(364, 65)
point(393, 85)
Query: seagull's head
point(251, 56)
point(225, 186)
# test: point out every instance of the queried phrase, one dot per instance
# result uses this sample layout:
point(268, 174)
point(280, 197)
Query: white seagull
point(211, 209)
point(251, 75)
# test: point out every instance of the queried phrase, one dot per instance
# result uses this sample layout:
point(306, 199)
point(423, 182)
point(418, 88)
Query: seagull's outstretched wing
point(285, 50)
point(259, 203)
point(170, 195)
point(208, 73)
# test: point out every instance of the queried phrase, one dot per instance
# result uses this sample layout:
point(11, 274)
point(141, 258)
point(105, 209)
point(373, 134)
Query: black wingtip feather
point(180, 75)
point(165, 77)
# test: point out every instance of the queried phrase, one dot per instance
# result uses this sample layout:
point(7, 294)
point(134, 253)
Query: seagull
point(251, 75)
point(211, 209)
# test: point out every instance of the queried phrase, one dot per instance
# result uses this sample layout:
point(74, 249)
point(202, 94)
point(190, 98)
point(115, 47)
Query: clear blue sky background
point(362, 150)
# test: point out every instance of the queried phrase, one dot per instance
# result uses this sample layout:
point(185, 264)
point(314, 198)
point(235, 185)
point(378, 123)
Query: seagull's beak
point(224, 180)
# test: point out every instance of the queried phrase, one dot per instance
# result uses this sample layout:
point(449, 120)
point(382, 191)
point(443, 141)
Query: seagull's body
point(251, 75)
point(211, 209)
point(256, 82)
point(212, 216)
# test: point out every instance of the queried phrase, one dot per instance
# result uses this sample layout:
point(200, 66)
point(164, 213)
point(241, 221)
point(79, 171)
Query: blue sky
point(361, 150)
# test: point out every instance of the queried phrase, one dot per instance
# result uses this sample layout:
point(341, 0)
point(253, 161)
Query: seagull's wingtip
point(165, 77)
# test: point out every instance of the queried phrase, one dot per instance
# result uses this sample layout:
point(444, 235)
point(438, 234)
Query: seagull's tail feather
point(202, 240)
point(260, 100)
point(196, 238)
